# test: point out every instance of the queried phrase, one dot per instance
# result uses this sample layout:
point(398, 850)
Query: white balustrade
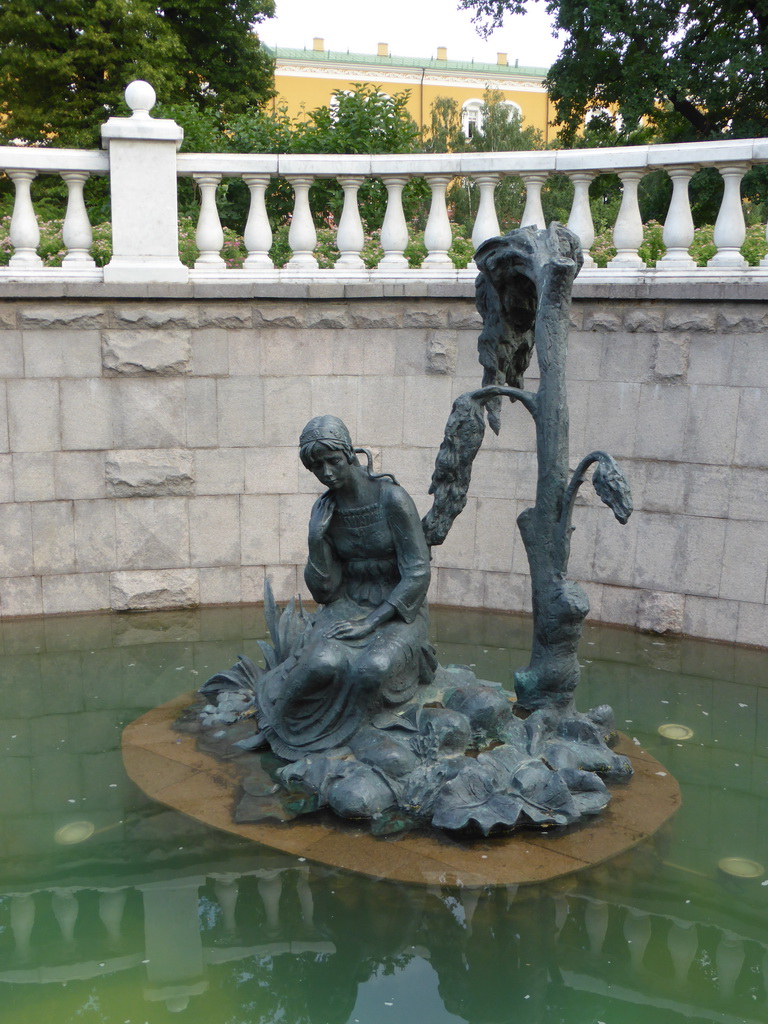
point(209, 235)
point(65, 910)
point(350, 237)
point(25, 233)
point(76, 232)
point(438, 237)
point(596, 916)
point(730, 229)
point(729, 960)
point(628, 230)
point(678, 226)
point(177, 960)
point(302, 236)
point(533, 214)
point(486, 222)
point(22, 922)
point(142, 160)
point(683, 944)
point(270, 886)
point(469, 897)
point(580, 220)
point(306, 899)
point(637, 932)
point(227, 890)
point(394, 230)
point(111, 910)
point(562, 909)
point(257, 236)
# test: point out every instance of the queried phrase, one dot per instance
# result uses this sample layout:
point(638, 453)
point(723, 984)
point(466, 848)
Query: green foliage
point(500, 129)
point(65, 63)
point(445, 133)
point(360, 120)
point(687, 70)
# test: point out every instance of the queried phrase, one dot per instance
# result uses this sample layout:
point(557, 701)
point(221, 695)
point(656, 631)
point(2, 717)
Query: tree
point(695, 70)
point(65, 63)
point(362, 119)
point(445, 133)
point(499, 129)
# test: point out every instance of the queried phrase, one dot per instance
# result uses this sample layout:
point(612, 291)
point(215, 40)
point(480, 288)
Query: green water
point(156, 918)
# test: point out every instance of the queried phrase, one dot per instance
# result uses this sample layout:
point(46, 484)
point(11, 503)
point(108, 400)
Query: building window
point(472, 115)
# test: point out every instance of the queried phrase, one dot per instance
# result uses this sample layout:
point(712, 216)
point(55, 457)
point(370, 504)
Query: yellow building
point(306, 79)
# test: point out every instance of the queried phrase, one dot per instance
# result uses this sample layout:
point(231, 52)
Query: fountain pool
point(117, 910)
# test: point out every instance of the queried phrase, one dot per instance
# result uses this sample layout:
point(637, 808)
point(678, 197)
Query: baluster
point(24, 232)
point(561, 913)
point(682, 942)
point(486, 222)
point(678, 225)
point(469, 900)
point(533, 214)
point(22, 921)
point(628, 229)
point(350, 236)
point(77, 233)
point(111, 908)
point(730, 229)
point(270, 885)
point(394, 230)
point(637, 932)
point(65, 910)
point(257, 236)
point(302, 236)
point(438, 237)
point(306, 900)
point(227, 889)
point(209, 235)
point(596, 916)
point(580, 219)
point(729, 959)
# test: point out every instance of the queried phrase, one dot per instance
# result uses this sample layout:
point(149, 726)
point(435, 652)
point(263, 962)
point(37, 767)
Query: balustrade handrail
point(599, 160)
point(143, 165)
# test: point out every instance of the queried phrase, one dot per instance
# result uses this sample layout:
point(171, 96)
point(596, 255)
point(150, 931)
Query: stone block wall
point(148, 449)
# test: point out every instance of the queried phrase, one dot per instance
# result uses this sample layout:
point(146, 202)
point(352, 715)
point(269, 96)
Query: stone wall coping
point(737, 289)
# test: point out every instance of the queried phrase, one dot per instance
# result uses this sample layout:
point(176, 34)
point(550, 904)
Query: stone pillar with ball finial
point(142, 168)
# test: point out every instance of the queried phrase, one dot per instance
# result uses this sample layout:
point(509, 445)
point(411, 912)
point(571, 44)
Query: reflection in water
point(301, 943)
point(153, 916)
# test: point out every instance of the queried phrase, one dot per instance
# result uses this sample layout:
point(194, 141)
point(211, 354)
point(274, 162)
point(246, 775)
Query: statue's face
point(331, 468)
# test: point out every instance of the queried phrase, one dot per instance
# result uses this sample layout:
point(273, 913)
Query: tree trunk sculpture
point(524, 297)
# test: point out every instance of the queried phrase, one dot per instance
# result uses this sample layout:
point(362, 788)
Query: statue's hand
point(346, 630)
point(320, 519)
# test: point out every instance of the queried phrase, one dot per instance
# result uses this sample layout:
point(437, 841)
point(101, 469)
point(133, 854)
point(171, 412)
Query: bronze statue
point(368, 568)
point(340, 700)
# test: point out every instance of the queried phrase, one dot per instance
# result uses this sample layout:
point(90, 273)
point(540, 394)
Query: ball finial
point(140, 97)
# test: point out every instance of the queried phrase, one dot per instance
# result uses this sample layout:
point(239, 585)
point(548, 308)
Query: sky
point(413, 28)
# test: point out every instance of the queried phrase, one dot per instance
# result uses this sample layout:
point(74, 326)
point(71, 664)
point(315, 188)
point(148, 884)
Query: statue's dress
point(315, 700)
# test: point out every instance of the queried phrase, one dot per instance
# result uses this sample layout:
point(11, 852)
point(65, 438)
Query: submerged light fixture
point(675, 731)
point(78, 831)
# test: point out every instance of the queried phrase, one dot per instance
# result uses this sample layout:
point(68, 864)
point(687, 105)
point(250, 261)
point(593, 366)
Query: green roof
point(338, 57)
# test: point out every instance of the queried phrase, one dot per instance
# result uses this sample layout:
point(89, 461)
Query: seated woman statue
point(368, 568)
